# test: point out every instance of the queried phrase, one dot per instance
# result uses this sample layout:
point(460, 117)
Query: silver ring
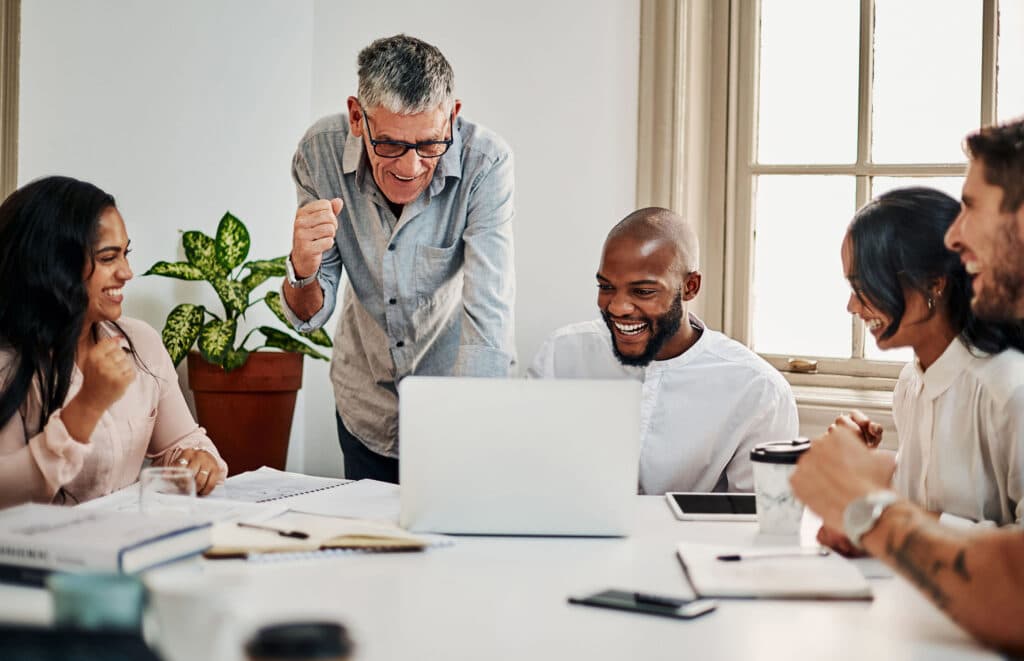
point(183, 462)
point(201, 472)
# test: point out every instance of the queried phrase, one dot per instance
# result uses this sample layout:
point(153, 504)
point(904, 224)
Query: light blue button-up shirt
point(429, 293)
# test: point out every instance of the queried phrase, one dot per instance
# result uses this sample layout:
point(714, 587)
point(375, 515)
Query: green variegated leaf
point(272, 267)
point(181, 330)
point(201, 251)
point(254, 280)
point(232, 242)
point(234, 359)
point(318, 336)
point(179, 270)
point(285, 342)
point(217, 338)
point(234, 295)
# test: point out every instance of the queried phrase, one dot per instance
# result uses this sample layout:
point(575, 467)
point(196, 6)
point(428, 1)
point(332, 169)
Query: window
point(836, 102)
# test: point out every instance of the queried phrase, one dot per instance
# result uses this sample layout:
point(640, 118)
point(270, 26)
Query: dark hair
point(47, 232)
point(897, 242)
point(1001, 149)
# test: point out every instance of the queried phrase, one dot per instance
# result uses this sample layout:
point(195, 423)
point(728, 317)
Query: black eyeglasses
point(396, 148)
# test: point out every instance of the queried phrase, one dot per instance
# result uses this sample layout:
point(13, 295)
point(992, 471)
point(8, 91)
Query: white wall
point(185, 110)
point(558, 80)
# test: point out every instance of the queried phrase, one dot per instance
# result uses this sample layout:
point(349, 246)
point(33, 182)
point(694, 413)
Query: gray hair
point(404, 75)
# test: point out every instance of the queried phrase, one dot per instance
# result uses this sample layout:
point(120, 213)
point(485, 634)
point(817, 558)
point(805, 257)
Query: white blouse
point(961, 429)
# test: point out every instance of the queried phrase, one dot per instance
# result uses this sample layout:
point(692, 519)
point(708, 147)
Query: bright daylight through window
point(848, 99)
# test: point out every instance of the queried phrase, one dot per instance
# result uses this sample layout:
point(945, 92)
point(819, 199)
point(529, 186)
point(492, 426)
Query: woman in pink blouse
point(85, 394)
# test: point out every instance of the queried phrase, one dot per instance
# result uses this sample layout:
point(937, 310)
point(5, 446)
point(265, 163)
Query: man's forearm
point(304, 301)
point(972, 575)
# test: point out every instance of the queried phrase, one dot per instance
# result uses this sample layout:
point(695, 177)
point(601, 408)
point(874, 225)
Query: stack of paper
point(770, 573)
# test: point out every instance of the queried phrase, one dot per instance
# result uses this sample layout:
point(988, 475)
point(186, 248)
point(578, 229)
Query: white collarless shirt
point(701, 412)
point(961, 429)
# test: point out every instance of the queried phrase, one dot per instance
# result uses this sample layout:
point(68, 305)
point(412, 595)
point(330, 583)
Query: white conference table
point(505, 598)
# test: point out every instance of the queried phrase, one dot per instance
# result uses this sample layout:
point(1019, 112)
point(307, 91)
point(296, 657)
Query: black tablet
point(712, 506)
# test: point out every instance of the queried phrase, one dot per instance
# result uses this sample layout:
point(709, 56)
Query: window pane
point(927, 79)
point(808, 81)
point(949, 185)
point(1010, 103)
point(799, 295)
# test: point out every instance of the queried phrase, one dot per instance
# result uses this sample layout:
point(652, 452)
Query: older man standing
point(977, 576)
point(415, 203)
point(707, 400)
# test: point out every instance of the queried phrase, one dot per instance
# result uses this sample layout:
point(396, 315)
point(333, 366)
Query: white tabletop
point(505, 598)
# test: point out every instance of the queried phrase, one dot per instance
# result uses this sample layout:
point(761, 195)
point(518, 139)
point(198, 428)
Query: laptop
point(518, 456)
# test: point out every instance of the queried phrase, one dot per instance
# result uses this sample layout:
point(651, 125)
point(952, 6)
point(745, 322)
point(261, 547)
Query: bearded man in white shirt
point(707, 400)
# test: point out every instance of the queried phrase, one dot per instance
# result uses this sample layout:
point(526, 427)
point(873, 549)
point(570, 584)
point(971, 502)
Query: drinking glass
point(167, 490)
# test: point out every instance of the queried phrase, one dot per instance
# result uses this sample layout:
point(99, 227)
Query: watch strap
point(862, 515)
point(293, 279)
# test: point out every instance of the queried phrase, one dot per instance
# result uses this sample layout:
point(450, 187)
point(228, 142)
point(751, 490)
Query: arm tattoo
point(916, 557)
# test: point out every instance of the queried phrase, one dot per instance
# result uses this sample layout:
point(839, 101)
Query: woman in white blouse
point(959, 405)
point(85, 394)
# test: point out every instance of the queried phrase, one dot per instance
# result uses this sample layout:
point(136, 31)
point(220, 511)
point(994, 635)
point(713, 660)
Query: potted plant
point(245, 397)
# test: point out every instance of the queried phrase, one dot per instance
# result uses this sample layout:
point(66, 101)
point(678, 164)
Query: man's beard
point(663, 328)
point(1004, 300)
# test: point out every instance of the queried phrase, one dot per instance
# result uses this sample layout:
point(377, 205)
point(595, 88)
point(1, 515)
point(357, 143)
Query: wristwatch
point(861, 516)
point(293, 279)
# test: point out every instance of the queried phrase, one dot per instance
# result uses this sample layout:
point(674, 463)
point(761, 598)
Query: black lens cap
point(300, 640)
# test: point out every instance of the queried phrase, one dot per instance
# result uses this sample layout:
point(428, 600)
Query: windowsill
point(820, 405)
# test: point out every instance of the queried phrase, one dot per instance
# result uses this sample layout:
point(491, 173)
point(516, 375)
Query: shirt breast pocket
point(435, 271)
point(141, 427)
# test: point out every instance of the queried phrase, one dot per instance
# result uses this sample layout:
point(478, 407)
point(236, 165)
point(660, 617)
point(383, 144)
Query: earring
point(931, 303)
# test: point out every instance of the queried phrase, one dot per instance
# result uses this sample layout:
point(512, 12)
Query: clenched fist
point(107, 371)
point(315, 226)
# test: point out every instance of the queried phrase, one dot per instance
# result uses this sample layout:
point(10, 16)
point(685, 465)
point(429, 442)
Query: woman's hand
point(107, 371)
point(204, 468)
point(870, 432)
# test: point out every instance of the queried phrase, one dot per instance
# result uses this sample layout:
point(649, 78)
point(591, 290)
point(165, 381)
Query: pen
point(296, 534)
point(754, 555)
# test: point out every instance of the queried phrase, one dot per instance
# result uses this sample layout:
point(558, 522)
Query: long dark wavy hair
point(48, 230)
point(897, 242)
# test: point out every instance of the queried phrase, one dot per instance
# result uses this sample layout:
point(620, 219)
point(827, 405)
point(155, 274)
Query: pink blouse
point(150, 420)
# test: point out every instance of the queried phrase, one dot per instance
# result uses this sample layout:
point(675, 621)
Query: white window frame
point(855, 372)
point(697, 80)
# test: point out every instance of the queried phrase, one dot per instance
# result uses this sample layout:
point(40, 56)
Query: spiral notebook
point(267, 484)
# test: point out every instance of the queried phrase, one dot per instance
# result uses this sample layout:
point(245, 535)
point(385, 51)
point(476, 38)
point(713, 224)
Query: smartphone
point(712, 506)
point(652, 604)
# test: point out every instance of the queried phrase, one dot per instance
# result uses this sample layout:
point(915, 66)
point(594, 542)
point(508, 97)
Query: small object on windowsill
point(802, 365)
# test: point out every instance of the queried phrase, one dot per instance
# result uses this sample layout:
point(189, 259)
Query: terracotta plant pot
point(248, 412)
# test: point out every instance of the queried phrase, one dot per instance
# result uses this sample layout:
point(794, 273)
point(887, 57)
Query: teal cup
point(97, 601)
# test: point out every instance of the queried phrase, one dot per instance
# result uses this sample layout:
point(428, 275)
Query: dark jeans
point(362, 462)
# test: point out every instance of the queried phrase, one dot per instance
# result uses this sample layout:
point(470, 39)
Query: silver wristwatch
point(861, 516)
point(294, 280)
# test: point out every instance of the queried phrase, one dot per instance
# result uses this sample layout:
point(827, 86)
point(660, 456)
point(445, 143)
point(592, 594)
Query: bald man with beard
point(707, 400)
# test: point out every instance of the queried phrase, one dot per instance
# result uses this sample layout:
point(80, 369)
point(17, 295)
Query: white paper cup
point(778, 511)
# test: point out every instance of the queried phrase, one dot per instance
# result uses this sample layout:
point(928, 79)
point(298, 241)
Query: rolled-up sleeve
point(486, 345)
point(35, 469)
point(330, 266)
